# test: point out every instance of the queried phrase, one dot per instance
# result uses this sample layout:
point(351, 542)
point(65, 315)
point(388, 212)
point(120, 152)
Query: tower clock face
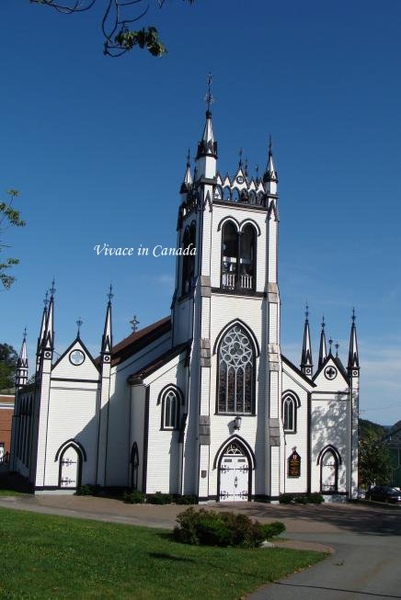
point(77, 357)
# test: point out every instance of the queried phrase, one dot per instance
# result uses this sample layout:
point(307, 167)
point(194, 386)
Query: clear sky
point(97, 147)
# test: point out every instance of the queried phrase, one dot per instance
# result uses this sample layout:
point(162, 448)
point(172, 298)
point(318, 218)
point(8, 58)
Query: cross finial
point(209, 97)
point(79, 323)
point(306, 311)
point(323, 323)
point(353, 315)
point(134, 324)
point(110, 295)
point(24, 338)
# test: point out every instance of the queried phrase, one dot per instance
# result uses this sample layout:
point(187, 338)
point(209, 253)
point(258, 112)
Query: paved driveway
point(366, 540)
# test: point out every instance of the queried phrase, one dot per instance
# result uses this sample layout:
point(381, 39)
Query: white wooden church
point(203, 402)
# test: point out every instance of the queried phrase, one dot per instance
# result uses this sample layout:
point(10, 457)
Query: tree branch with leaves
point(117, 18)
point(9, 217)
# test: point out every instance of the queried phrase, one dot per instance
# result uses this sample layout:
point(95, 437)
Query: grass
point(45, 556)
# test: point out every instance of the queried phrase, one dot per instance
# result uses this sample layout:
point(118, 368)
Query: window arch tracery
point(236, 365)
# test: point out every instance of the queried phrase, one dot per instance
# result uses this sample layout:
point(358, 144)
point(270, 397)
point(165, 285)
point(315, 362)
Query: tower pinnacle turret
point(206, 156)
point(306, 358)
point(21, 378)
point(322, 346)
point(353, 354)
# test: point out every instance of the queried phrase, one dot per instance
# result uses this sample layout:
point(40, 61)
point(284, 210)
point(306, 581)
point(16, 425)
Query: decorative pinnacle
point(270, 145)
point(134, 324)
point(306, 311)
point(24, 334)
point(209, 97)
point(337, 345)
point(46, 299)
point(353, 315)
point(240, 158)
point(188, 157)
point(52, 289)
point(110, 295)
point(323, 323)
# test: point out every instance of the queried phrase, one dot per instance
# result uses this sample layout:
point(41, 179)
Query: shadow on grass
point(166, 556)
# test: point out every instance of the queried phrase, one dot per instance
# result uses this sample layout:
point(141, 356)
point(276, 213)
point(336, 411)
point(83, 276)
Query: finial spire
point(209, 99)
point(21, 376)
point(322, 346)
point(306, 358)
point(107, 338)
point(353, 354)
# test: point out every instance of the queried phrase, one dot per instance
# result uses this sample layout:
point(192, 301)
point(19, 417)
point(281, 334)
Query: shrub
point(88, 490)
point(313, 498)
point(186, 499)
point(159, 498)
point(135, 497)
point(211, 528)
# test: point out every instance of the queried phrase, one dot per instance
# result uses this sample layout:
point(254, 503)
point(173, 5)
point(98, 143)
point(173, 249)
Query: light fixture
point(237, 422)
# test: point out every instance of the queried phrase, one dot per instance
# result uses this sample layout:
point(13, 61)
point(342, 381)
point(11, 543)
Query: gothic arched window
point(238, 257)
point(170, 404)
point(188, 260)
point(236, 366)
point(289, 413)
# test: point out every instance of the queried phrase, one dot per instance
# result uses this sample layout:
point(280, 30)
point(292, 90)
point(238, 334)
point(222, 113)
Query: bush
point(135, 497)
point(314, 498)
point(159, 498)
point(210, 528)
point(88, 490)
point(186, 499)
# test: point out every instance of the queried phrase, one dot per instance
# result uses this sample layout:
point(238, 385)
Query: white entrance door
point(69, 465)
point(234, 478)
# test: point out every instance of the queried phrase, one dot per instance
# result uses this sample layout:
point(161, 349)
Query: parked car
point(384, 493)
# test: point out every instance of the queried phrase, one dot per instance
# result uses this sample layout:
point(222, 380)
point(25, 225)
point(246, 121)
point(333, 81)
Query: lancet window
point(238, 264)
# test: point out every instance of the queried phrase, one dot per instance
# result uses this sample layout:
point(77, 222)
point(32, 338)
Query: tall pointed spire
point(41, 338)
point(48, 340)
point(187, 182)
point(270, 178)
point(322, 345)
point(306, 358)
point(107, 339)
point(207, 147)
point(353, 354)
point(21, 378)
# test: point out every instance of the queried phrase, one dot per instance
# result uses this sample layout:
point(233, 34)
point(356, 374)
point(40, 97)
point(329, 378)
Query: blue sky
point(97, 147)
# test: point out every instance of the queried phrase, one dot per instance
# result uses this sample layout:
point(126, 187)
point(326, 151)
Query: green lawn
point(45, 557)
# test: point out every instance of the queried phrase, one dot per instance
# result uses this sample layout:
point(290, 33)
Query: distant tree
point(375, 466)
point(9, 217)
point(8, 366)
point(118, 15)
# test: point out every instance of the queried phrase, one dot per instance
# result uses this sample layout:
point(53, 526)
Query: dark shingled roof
point(157, 362)
point(138, 340)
